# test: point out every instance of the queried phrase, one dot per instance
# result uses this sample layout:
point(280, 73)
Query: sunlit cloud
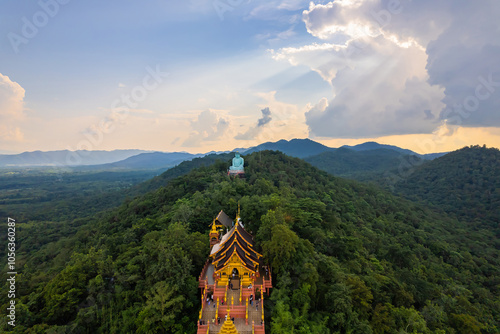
point(11, 110)
point(207, 127)
point(11, 98)
point(379, 88)
point(388, 75)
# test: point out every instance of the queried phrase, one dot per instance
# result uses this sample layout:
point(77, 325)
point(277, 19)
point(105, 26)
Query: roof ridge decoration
point(226, 244)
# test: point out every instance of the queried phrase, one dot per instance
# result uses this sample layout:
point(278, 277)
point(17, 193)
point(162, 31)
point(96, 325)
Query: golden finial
point(237, 219)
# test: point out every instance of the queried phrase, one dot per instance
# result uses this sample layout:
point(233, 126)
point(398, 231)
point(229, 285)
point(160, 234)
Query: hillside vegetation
point(465, 183)
point(364, 165)
point(346, 258)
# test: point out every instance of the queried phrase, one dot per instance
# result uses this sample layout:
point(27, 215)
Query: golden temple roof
point(238, 241)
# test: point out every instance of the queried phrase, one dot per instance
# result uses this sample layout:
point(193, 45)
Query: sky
point(203, 75)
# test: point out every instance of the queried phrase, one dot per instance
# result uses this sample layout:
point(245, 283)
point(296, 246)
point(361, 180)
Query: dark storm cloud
point(266, 117)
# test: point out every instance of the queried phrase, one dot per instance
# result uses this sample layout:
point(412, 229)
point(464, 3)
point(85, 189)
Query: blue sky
point(245, 72)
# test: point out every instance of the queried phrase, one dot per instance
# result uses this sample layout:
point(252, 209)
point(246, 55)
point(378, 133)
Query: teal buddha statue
point(238, 162)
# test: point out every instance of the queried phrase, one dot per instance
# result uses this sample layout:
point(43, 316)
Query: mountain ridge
point(150, 160)
point(65, 158)
point(360, 164)
point(300, 148)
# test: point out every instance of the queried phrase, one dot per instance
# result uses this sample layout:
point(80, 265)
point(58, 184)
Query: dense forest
point(362, 165)
point(63, 194)
point(465, 183)
point(346, 257)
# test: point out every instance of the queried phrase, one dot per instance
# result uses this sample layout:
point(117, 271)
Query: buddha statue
point(238, 162)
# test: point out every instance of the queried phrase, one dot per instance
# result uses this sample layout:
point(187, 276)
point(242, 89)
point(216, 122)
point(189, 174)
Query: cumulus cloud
point(253, 131)
point(208, 126)
point(464, 60)
point(397, 67)
point(11, 98)
point(404, 20)
point(11, 109)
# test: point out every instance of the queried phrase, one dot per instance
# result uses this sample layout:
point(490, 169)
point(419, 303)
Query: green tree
point(282, 246)
point(164, 303)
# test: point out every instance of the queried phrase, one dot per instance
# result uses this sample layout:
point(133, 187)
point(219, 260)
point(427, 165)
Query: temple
point(237, 167)
point(234, 281)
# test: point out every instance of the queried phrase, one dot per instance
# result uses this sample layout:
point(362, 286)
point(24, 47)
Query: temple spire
point(214, 234)
point(237, 219)
point(228, 328)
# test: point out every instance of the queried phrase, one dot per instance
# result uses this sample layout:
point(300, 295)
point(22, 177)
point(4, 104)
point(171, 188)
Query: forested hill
point(346, 258)
point(362, 164)
point(179, 170)
point(465, 182)
point(299, 148)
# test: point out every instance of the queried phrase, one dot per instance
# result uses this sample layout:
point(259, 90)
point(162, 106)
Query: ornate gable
point(239, 243)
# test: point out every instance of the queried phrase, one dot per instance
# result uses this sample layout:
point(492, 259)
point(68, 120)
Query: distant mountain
point(299, 148)
point(371, 145)
point(153, 160)
point(465, 182)
point(360, 162)
point(65, 158)
point(8, 152)
point(239, 149)
point(432, 156)
point(141, 159)
point(346, 162)
point(303, 148)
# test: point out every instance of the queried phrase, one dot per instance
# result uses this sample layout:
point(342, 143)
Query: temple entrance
point(234, 282)
point(235, 274)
